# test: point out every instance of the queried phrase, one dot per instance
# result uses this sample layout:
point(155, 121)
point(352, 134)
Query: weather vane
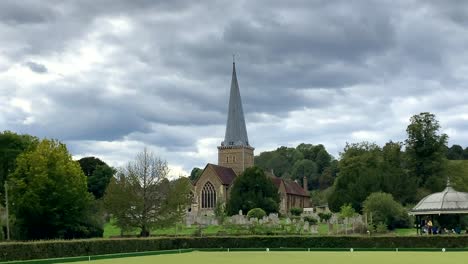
point(233, 58)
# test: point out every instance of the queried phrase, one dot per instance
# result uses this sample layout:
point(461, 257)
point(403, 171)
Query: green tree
point(118, 201)
point(142, 196)
point(386, 210)
point(253, 189)
point(308, 169)
point(11, 146)
point(195, 173)
point(98, 173)
point(425, 149)
point(455, 152)
point(465, 153)
point(395, 178)
point(347, 211)
point(458, 171)
point(359, 176)
point(49, 194)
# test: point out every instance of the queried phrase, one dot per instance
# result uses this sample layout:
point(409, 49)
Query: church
point(235, 154)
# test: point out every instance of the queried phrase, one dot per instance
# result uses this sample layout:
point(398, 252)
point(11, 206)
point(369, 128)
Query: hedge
point(71, 248)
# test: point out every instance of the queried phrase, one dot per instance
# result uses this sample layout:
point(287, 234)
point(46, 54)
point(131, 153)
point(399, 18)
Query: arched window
point(208, 197)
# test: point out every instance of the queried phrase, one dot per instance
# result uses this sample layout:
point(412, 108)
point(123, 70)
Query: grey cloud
point(36, 67)
point(165, 80)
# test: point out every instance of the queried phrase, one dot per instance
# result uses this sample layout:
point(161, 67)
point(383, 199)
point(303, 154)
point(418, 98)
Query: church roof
point(290, 186)
point(448, 201)
point(236, 132)
point(294, 188)
point(225, 175)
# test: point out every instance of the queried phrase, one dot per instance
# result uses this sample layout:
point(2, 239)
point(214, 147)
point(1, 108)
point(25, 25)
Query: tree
point(465, 153)
point(11, 146)
point(347, 211)
point(425, 149)
point(98, 173)
point(455, 152)
point(308, 169)
point(394, 176)
point(142, 196)
point(359, 176)
point(195, 174)
point(386, 210)
point(458, 171)
point(49, 193)
point(253, 189)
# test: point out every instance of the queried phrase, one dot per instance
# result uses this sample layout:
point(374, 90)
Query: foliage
point(195, 173)
point(11, 146)
point(312, 161)
point(142, 197)
point(220, 211)
point(253, 189)
point(98, 173)
point(320, 197)
point(386, 210)
point(347, 211)
point(425, 150)
point(455, 152)
point(381, 228)
point(90, 247)
point(48, 190)
point(366, 168)
point(306, 168)
point(324, 217)
point(258, 213)
point(311, 220)
point(295, 211)
point(358, 177)
point(458, 171)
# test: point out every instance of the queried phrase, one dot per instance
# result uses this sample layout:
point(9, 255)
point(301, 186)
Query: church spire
point(236, 133)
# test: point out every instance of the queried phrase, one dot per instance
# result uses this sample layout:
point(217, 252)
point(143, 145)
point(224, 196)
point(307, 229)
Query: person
point(429, 226)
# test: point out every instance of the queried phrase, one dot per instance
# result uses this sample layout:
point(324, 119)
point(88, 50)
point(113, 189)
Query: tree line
point(53, 196)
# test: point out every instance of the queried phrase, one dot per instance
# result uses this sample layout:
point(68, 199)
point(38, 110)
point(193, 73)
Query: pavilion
point(447, 202)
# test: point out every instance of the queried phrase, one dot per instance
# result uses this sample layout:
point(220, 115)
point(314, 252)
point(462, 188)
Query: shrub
point(68, 248)
point(311, 220)
point(324, 217)
point(381, 228)
point(386, 210)
point(258, 213)
point(296, 211)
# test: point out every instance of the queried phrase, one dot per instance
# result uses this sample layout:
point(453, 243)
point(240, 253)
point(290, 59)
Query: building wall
point(238, 158)
point(208, 175)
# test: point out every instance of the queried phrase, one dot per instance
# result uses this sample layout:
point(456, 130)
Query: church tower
point(235, 151)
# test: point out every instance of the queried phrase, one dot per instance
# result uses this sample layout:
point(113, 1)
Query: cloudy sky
point(109, 77)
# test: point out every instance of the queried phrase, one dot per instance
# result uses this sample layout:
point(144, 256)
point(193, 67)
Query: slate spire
point(236, 133)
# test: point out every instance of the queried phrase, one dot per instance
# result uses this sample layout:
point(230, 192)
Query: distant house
point(235, 155)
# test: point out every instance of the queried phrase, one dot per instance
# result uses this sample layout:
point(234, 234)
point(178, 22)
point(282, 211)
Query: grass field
point(297, 258)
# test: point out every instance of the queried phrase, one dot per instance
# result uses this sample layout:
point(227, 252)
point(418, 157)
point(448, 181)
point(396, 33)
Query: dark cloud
point(158, 73)
point(36, 67)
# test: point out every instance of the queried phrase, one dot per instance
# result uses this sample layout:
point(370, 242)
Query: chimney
point(304, 183)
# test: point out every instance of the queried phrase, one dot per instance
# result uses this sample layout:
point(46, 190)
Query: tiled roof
point(294, 188)
point(226, 175)
point(291, 187)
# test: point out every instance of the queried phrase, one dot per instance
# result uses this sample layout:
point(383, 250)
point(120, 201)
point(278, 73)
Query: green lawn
point(296, 258)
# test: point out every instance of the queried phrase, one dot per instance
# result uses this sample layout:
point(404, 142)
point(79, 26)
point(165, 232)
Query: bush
point(68, 248)
point(258, 213)
point(386, 210)
point(296, 211)
point(311, 220)
point(324, 217)
point(381, 228)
